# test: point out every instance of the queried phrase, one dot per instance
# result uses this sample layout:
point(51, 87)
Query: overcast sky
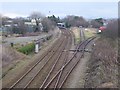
point(85, 9)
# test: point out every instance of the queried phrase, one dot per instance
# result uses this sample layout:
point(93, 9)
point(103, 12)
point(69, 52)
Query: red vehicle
point(102, 28)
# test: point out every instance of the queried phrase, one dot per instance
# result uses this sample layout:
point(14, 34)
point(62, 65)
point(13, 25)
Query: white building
point(32, 24)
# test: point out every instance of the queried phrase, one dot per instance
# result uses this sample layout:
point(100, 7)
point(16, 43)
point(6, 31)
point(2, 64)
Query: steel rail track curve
point(30, 69)
point(61, 70)
point(67, 46)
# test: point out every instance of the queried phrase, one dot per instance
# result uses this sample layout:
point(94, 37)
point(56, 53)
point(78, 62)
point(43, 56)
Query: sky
point(86, 9)
point(59, 0)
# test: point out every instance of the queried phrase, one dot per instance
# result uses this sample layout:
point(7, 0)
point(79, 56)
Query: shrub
point(27, 49)
point(48, 24)
point(111, 30)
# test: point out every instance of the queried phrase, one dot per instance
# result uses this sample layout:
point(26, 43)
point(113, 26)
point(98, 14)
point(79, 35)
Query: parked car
point(101, 29)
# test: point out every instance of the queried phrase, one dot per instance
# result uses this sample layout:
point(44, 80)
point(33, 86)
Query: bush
point(103, 66)
point(111, 30)
point(27, 49)
point(75, 21)
point(48, 24)
point(95, 24)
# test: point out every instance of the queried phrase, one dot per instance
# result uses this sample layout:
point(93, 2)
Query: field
point(89, 32)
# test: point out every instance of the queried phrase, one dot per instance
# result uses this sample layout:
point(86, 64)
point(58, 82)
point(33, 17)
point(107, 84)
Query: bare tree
point(37, 16)
point(4, 19)
point(95, 23)
point(112, 29)
point(72, 20)
point(48, 24)
point(20, 28)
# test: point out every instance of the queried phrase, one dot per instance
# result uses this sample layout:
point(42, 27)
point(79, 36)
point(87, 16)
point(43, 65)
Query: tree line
point(50, 22)
point(112, 29)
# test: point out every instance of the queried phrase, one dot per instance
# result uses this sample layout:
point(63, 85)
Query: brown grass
point(9, 55)
point(103, 66)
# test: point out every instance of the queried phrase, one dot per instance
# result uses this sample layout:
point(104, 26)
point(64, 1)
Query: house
point(32, 25)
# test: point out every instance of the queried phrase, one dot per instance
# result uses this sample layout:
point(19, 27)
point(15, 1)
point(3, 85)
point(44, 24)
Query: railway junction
point(54, 67)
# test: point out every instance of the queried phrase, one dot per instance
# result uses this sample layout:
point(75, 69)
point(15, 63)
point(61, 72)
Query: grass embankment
point(76, 32)
point(103, 66)
point(10, 58)
point(18, 68)
point(89, 32)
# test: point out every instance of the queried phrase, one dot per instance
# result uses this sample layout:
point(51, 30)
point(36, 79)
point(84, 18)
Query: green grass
point(27, 49)
point(89, 34)
point(77, 40)
point(76, 32)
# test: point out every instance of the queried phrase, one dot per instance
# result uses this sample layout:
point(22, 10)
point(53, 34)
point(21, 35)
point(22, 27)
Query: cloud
point(14, 15)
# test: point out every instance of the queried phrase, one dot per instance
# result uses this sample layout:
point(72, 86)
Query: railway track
point(56, 68)
point(63, 57)
point(30, 75)
point(60, 77)
point(85, 43)
point(55, 65)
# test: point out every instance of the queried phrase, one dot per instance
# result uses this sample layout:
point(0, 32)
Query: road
point(26, 39)
point(23, 40)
